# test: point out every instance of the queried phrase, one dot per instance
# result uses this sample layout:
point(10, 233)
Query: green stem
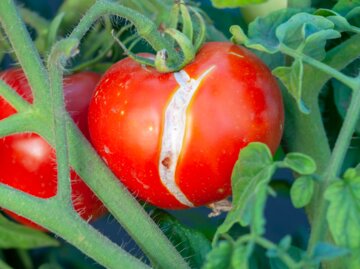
point(25, 50)
point(348, 81)
point(267, 244)
point(120, 202)
point(3, 265)
point(13, 98)
point(53, 215)
point(25, 258)
point(145, 27)
point(40, 24)
point(320, 227)
point(103, 52)
point(285, 257)
point(61, 52)
point(17, 123)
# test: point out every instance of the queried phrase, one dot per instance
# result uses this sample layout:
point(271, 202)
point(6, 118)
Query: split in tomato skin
point(27, 161)
point(235, 100)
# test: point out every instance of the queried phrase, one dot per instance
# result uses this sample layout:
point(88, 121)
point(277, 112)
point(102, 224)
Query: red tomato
point(173, 138)
point(27, 161)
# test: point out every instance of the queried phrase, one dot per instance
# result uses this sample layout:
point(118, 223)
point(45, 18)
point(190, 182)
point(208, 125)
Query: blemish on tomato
point(166, 162)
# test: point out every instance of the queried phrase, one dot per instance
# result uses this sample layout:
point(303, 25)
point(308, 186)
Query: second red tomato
point(27, 161)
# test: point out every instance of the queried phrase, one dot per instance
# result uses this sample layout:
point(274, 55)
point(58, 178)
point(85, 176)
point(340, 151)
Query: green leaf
point(250, 178)
point(302, 191)
point(353, 262)
point(340, 22)
point(324, 251)
point(343, 7)
point(292, 78)
point(285, 243)
point(262, 31)
point(234, 3)
point(344, 211)
point(228, 255)
point(219, 257)
point(13, 235)
point(240, 257)
point(307, 33)
point(300, 163)
point(192, 244)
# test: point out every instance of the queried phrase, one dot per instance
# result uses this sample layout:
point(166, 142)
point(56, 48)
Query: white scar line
point(174, 131)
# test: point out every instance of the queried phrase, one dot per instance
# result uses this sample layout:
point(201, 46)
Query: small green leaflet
point(251, 174)
point(235, 3)
point(300, 163)
point(262, 31)
point(227, 255)
point(341, 24)
point(324, 251)
point(302, 191)
point(344, 210)
point(292, 78)
point(13, 235)
point(344, 7)
point(307, 33)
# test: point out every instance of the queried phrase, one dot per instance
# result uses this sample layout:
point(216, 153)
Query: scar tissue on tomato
point(27, 161)
point(174, 138)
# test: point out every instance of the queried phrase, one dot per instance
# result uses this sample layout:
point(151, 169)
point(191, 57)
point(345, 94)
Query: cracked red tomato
point(173, 138)
point(27, 161)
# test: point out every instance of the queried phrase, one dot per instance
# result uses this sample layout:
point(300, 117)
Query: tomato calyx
point(186, 41)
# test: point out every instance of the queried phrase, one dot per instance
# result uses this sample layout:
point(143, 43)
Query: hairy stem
point(53, 215)
point(350, 82)
point(60, 53)
point(25, 50)
point(145, 27)
point(12, 97)
point(17, 123)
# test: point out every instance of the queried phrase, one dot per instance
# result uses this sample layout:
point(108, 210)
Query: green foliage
point(251, 174)
point(299, 35)
point(345, 7)
point(192, 244)
point(324, 251)
point(227, 255)
point(344, 211)
point(300, 163)
point(13, 235)
point(302, 191)
point(235, 3)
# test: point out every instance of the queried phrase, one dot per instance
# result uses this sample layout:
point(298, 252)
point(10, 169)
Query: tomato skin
point(27, 161)
point(237, 102)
